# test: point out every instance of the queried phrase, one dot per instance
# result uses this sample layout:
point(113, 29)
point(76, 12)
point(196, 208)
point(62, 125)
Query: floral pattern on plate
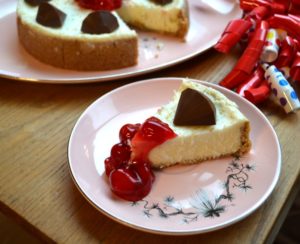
point(204, 203)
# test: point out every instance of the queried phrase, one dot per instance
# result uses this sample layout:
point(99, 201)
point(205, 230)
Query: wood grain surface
point(36, 188)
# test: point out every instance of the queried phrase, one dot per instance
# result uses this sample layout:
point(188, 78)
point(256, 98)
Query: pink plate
point(155, 51)
point(184, 200)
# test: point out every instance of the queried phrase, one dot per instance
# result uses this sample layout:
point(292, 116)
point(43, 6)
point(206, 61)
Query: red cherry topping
point(127, 184)
point(128, 131)
point(120, 152)
point(130, 175)
point(144, 171)
point(154, 129)
point(109, 165)
point(152, 133)
point(100, 4)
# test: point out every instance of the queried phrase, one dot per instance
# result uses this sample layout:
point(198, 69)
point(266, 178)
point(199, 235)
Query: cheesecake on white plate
point(198, 124)
point(59, 40)
point(196, 143)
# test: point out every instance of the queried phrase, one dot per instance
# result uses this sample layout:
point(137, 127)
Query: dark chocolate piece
point(161, 2)
point(50, 16)
point(194, 108)
point(35, 3)
point(99, 22)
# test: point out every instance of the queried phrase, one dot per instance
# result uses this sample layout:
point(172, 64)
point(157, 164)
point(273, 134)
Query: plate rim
point(240, 217)
point(109, 77)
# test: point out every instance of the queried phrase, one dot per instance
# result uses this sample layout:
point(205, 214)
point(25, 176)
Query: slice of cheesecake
point(195, 143)
point(198, 124)
point(164, 16)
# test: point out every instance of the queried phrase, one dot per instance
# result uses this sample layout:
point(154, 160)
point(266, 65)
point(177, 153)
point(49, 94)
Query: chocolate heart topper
point(50, 16)
point(161, 2)
point(100, 22)
point(194, 108)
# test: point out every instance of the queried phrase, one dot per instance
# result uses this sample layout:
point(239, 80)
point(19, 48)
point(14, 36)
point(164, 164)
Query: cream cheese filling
point(152, 16)
point(200, 142)
point(72, 25)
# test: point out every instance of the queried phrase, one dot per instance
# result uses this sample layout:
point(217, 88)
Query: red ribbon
point(285, 3)
point(253, 81)
point(295, 17)
point(247, 77)
point(287, 51)
point(297, 44)
point(248, 60)
point(253, 51)
point(232, 34)
point(276, 7)
point(292, 26)
point(258, 94)
point(258, 13)
point(294, 7)
point(234, 78)
point(295, 69)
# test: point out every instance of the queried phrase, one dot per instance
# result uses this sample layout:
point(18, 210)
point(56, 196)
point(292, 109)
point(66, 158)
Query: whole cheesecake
point(64, 34)
point(195, 143)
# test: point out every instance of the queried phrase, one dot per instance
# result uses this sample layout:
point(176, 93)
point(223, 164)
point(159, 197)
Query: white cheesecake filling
point(152, 16)
point(72, 25)
point(197, 143)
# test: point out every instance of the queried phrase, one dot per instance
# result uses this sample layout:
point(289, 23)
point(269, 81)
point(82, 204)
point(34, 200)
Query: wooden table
point(36, 188)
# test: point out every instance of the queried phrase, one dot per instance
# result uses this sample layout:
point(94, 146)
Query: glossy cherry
point(143, 169)
point(152, 133)
point(129, 184)
point(129, 172)
point(100, 4)
point(109, 165)
point(154, 129)
point(120, 152)
point(128, 131)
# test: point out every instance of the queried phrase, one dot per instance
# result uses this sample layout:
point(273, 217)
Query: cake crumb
point(159, 46)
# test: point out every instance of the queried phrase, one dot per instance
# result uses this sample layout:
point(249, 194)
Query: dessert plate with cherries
point(155, 51)
point(184, 200)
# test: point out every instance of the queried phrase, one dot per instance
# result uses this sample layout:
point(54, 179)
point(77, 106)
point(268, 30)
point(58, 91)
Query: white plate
point(155, 51)
point(183, 198)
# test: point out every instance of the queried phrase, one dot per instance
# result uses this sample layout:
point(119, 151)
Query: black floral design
point(204, 203)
